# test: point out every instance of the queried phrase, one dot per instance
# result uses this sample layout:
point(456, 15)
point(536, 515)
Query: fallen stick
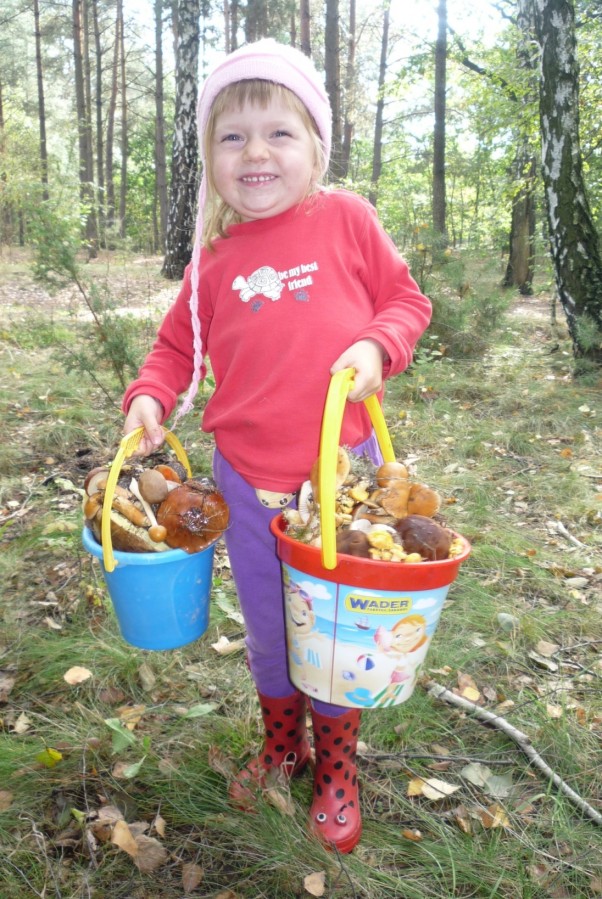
point(521, 739)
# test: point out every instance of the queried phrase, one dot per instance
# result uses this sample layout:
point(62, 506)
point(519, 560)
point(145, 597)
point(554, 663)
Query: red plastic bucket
point(358, 630)
point(358, 635)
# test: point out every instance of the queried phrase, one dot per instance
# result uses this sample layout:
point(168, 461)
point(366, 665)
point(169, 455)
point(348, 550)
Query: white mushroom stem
point(146, 506)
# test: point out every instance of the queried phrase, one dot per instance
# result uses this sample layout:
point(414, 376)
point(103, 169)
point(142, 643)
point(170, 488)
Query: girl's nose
point(256, 149)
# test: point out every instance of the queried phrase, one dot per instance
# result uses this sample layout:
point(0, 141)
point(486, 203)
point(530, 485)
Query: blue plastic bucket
point(161, 599)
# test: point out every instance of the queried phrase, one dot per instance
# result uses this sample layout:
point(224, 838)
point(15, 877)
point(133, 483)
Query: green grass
point(512, 441)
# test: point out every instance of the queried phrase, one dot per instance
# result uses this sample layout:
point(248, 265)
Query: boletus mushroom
point(194, 515)
point(422, 535)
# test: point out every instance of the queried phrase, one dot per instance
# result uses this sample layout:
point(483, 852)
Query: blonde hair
point(218, 215)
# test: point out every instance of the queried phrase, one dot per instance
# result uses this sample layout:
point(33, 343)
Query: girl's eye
point(281, 133)
point(230, 137)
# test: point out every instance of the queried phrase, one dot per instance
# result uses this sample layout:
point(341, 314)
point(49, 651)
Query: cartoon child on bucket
point(403, 641)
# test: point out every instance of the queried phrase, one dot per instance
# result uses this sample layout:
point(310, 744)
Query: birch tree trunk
point(111, 112)
point(184, 176)
point(100, 178)
point(380, 106)
point(124, 142)
point(84, 132)
point(439, 198)
point(574, 243)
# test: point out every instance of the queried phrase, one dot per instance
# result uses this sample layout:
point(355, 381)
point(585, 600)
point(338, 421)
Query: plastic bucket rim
point(92, 545)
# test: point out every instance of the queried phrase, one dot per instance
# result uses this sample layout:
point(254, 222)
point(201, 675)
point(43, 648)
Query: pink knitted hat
point(269, 61)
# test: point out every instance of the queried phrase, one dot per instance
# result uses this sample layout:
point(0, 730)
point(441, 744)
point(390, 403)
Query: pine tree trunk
point(85, 150)
point(349, 124)
point(332, 65)
point(184, 175)
point(111, 112)
point(124, 142)
point(305, 26)
point(160, 157)
point(574, 242)
point(380, 106)
point(41, 102)
point(439, 198)
point(100, 177)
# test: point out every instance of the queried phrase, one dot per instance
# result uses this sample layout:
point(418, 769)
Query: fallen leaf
point(508, 623)
point(49, 757)
point(130, 715)
point(547, 649)
point(147, 676)
point(192, 876)
point(462, 819)
point(200, 710)
point(6, 684)
point(52, 624)
point(225, 647)
point(414, 835)
point(494, 816)
point(476, 773)
point(77, 675)
point(160, 825)
point(432, 788)
point(220, 763)
point(499, 785)
point(22, 724)
point(280, 800)
point(151, 854)
point(315, 884)
point(123, 838)
point(554, 711)
point(6, 800)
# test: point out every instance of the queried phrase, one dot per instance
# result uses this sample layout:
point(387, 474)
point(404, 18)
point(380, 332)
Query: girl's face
point(262, 160)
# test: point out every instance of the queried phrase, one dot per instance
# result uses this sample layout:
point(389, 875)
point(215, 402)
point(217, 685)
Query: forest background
point(475, 132)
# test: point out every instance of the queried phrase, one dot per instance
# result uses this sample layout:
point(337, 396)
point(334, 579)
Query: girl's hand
point(366, 357)
point(145, 412)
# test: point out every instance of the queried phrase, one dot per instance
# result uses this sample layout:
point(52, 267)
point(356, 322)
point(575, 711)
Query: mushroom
point(423, 501)
point(96, 479)
point(390, 472)
point(156, 532)
point(194, 515)
point(424, 536)
point(394, 498)
point(153, 486)
point(353, 543)
point(342, 472)
point(125, 535)
point(175, 473)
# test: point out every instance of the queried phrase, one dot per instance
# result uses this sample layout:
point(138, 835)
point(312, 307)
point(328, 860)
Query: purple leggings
point(257, 574)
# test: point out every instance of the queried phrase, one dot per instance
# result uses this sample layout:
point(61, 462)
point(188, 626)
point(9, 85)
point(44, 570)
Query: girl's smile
point(262, 159)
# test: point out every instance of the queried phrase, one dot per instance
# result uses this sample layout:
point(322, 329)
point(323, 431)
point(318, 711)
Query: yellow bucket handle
point(340, 385)
point(127, 447)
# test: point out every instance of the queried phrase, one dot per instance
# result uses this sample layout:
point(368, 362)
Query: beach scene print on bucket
point(353, 646)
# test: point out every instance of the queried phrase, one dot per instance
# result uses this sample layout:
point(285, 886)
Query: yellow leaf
point(438, 789)
point(471, 693)
point(122, 837)
point(130, 715)
point(414, 835)
point(315, 883)
point(494, 816)
point(415, 787)
point(49, 757)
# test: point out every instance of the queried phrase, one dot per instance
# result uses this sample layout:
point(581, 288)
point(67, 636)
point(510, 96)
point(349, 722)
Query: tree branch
point(521, 739)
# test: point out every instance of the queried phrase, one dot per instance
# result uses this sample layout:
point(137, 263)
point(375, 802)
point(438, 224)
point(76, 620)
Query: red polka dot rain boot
point(335, 812)
point(286, 747)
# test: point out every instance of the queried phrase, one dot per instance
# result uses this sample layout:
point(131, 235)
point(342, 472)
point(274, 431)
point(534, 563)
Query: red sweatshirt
point(280, 300)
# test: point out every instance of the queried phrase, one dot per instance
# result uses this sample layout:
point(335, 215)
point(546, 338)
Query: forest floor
point(114, 761)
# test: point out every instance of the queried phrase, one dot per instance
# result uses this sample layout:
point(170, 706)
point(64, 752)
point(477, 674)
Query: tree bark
point(160, 156)
point(124, 143)
point(41, 101)
point(85, 150)
point(100, 178)
point(574, 243)
point(439, 198)
point(349, 124)
point(332, 65)
point(380, 107)
point(305, 26)
point(111, 113)
point(184, 176)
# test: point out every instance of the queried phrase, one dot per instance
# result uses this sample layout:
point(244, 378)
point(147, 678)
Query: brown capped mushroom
point(391, 472)
point(353, 543)
point(423, 501)
point(424, 536)
point(194, 515)
point(153, 486)
point(96, 479)
point(342, 472)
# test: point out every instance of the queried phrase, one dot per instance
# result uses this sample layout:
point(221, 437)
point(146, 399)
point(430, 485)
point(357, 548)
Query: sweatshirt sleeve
point(401, 312)
point(167, 370)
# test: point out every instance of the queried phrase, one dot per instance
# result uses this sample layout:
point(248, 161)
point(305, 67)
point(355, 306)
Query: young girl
point(289, 283)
